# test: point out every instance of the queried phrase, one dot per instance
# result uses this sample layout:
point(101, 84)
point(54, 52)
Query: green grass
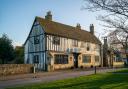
point(122, 71)
point(98, 81)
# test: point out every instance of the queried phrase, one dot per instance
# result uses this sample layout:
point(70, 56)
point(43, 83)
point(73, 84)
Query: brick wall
point(11, 69)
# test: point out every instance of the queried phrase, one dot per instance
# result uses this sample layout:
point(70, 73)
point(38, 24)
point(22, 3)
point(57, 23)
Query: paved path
point(19, 80)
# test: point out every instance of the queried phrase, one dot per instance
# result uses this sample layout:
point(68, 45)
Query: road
point(19, 80)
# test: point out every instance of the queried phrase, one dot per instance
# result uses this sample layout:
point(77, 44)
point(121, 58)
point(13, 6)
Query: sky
point(17, 16)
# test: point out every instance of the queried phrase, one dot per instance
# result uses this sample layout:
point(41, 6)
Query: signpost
point(95, 69)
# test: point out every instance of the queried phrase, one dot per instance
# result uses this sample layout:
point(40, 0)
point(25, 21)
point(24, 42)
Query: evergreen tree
point(6, 49)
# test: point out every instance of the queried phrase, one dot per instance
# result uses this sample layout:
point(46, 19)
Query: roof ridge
point(61, 23)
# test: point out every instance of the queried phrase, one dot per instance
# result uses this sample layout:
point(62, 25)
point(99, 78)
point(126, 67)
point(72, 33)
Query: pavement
point(42, 77)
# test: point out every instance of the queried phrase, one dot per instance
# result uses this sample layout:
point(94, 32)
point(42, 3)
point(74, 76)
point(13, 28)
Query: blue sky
point(17, 16)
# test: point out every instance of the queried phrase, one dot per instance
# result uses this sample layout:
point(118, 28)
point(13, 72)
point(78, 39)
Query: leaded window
point(56, 40)
point(86, 59)
point(36, 59)
point(36, 40)
point(61, 59)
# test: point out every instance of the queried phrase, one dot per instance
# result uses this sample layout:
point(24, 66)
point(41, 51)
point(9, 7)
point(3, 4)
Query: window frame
point(61, 59)
point(83, 60)
point(56, 40)
point(36, 59)
point(36, 40)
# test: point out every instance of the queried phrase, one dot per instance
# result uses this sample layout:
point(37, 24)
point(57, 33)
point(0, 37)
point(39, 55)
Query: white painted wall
point(32, 49)
point(66, 44)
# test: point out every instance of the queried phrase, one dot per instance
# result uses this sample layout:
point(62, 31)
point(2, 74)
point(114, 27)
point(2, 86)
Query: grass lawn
point(98, 81)
point(122, 71)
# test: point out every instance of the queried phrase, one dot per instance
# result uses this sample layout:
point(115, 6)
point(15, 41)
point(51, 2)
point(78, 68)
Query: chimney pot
point(48, 16)
point(92, 29)
point(78, 26)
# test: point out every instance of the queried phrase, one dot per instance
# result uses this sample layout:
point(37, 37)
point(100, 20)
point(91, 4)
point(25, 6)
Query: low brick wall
point(11, 69)
point(118, 64)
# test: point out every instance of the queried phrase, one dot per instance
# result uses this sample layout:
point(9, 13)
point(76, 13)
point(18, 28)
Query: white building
point(52, 45)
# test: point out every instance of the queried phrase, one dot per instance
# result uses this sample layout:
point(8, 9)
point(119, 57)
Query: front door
point(75, 59)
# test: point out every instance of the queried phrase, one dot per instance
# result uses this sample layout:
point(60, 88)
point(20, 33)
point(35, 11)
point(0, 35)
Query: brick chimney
point(92, 29)
point(78, 26)
point(48, 16)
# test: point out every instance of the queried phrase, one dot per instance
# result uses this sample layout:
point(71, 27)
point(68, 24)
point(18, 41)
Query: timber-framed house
point(51, 45)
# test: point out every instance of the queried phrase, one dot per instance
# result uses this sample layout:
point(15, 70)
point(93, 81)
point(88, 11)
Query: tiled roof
point(67, 31)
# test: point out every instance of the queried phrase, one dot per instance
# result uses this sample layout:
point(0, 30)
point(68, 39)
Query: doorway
point(75, 59)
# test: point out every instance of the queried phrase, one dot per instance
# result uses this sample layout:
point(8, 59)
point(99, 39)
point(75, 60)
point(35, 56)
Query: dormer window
point(56, 40)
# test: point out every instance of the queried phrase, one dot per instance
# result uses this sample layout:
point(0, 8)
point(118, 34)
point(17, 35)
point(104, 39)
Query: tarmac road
point(24, 79)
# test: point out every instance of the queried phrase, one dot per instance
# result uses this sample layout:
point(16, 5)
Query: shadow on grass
point(99, 81)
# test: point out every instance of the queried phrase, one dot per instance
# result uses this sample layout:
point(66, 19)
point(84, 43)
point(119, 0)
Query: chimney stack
point(105, 42)
point(48, 16)
point(92, 29)
point(78, 26)
point(105, 52)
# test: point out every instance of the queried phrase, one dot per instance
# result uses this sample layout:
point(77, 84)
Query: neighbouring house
point(119, 55)
point(52, 45)
point(113, 54)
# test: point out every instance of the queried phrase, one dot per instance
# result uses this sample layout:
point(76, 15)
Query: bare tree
point(119, 37)
point(119, 7)
point(115, 18)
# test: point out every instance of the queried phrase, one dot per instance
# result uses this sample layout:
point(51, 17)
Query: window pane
point(61, 59)
point(86, 59)
point(36, 40)
point(36, 59)
point(56, 40)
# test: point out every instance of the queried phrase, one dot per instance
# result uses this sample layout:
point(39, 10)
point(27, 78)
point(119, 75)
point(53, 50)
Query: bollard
point(34, 71)
point(95, 69)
